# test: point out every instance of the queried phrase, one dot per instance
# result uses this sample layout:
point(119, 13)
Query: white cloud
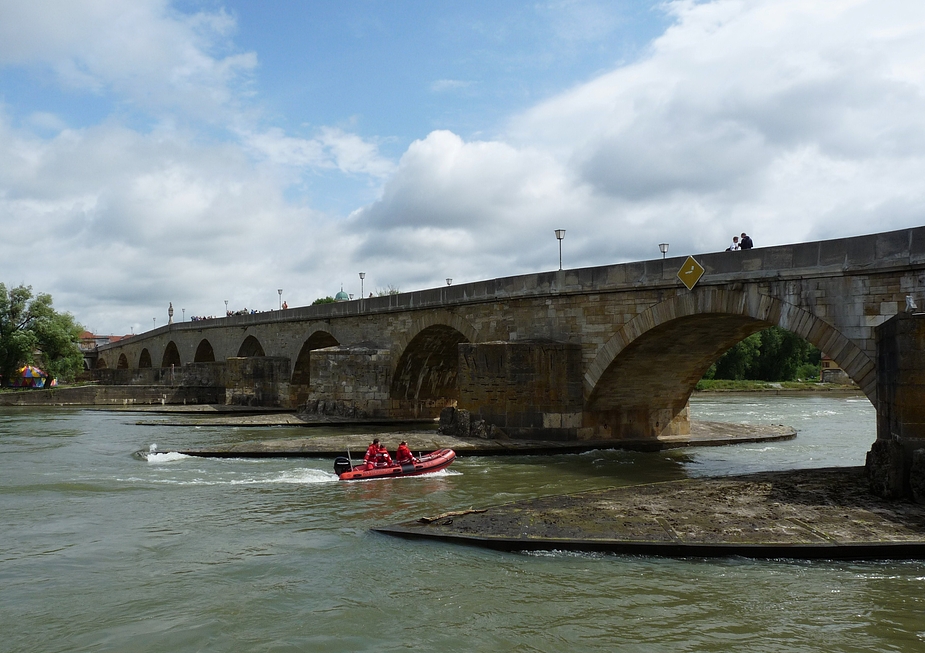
point(152, 56)
point(787, 119)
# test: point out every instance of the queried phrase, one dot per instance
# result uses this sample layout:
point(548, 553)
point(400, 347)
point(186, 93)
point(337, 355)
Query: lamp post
point(280, 291)
point(560, 234)
point(226, 308)
point(663, 248)
point(184, 314)
point(153, 322)
point(362, 276)
point(449, 281)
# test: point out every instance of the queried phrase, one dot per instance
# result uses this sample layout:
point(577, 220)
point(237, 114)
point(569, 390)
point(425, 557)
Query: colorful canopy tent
point(31, 377)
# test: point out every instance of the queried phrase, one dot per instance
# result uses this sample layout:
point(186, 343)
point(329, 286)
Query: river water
point(103, 549)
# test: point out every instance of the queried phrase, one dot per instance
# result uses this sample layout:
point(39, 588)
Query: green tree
point(736, 363)
point(30, 328)
point(324, 300)
point(774, 354)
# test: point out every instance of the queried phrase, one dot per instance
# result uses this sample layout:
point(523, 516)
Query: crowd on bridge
point(243, 311)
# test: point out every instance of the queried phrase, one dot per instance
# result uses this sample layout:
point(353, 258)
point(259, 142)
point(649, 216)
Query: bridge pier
point(529, 389)
point(257, 381)
point(350, 381)
point(641, 423)
point(896, 461)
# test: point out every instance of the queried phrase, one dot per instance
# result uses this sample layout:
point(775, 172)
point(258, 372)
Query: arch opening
point(204, 352)
point(650, 382)
point(144, 360)
point(123, 362)
point(171, 355)
point(641, 379)
point(426, 376)
point(300, 382)
point(250, 348)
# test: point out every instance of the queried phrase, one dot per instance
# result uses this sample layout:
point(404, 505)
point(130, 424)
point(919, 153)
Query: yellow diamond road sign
point(690, 273)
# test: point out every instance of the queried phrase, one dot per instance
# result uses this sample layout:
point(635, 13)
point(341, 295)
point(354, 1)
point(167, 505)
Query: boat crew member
point(403, 455)
point(383, 459)
point(371, 452)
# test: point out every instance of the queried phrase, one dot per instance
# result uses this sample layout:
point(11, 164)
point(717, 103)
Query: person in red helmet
point(383, 459)
point(403, 455)
point(371, 452)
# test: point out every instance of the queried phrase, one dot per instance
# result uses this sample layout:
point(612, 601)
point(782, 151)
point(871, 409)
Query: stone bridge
point(603, 352)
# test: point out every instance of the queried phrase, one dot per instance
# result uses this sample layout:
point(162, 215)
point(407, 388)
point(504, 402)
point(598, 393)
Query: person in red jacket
point(383, 459)
point(371, 452)
point(403, 455)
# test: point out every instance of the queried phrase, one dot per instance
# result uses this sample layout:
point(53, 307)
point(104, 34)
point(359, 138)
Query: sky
point(196, 151)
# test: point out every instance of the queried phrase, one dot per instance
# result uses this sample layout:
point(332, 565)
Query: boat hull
point(427, 464)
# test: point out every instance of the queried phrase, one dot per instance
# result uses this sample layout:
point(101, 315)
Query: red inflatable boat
point(427, 464)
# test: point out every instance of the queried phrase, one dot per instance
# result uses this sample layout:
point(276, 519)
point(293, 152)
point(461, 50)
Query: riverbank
point(814, 513)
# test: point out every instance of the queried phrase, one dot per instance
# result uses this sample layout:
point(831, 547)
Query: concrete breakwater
point(814, 513)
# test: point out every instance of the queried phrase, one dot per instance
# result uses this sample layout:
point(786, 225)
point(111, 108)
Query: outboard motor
point(341, 465)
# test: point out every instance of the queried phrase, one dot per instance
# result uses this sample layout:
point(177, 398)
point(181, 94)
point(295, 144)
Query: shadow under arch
point(644, 375)
point(300, 382)
point(101, 363)
point(171, 355)
point(144, 359)
point(123, 362)
point(204, 352)
point(425, 377)
point(250, 347)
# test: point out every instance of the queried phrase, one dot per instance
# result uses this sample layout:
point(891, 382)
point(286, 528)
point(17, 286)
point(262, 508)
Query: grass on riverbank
point(723, 385)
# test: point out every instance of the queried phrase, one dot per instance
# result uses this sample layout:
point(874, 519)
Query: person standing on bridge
point(734, 247)
point(746, 242)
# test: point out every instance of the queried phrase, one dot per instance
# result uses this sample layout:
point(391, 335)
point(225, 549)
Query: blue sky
point(197, 151)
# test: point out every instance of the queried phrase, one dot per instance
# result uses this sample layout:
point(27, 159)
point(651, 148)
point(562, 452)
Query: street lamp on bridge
point(560, 234)
point(362, 276)
point(663, 248)
point(280, 291)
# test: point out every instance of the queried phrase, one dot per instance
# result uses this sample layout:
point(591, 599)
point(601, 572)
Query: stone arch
point(144, 360)
point(171, 355)
point(251, 347)
point(665, 350)
point(425, 377)
point(431, 319)
point(204, 352)
point(123, 362)
point(101, 363)
point(300, 382)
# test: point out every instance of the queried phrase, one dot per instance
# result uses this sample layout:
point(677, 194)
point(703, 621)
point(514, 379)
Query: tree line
point(774, 354)
point(32, 332)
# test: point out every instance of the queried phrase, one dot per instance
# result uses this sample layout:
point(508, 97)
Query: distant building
point(90, 343)
point(341, 296)
point(830, 372)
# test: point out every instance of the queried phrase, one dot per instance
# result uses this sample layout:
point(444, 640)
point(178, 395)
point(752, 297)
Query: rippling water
point(105, 549)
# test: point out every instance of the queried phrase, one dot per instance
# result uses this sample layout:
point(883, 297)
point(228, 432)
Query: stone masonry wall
point(349, 381)
point(530, 389)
